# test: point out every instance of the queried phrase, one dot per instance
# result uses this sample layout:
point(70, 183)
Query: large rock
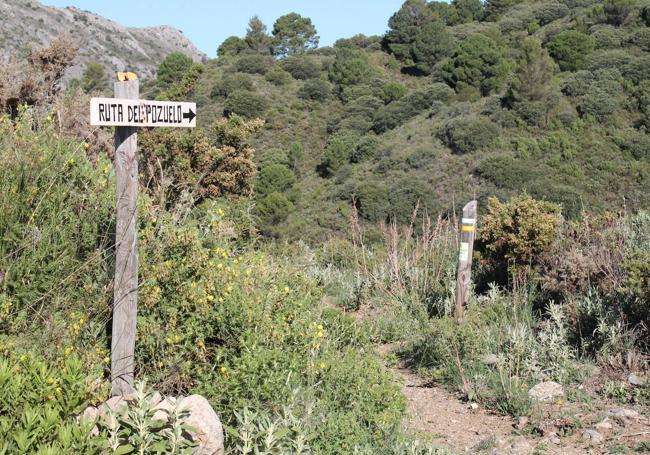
point(592, 437)
point(206, 426)
point(209, 432)
point(546, 391)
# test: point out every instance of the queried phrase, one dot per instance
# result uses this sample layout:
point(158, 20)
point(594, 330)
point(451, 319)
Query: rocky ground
point(585, 423)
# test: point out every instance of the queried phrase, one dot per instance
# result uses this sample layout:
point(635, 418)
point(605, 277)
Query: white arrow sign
point(125, 112)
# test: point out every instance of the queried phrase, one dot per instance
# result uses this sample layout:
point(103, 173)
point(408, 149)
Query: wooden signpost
point(127, 112)
point(467, 233)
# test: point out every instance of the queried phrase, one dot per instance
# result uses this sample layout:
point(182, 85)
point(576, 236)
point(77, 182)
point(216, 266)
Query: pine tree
point(256, 36)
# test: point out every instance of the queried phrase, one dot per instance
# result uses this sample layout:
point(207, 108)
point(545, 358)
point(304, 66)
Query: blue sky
point(207, 23)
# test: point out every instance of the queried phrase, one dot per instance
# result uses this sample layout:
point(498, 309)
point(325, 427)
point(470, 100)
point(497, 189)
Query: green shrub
point(615, 59)
point(230, 83)
point(570, 49)
point(338, 152)
point(302, 67)
point(172, 69)
point(392, 91)
point(315, 89)
point(617, 11)
point(641, 38)
point(545, 13)
point(350, 67)
point(607, 36)
point(469, 134)
point(254, 64)
point(507, 172)
point(232, 46)
point(637, 69)
point(365, 149)
point(398, 112)
point(602, 98)
point(246, 104)
point(372, 201)
point(273, 208)
point(274, 178)
point(637, 143)
point(277, 76)
point(578, 83)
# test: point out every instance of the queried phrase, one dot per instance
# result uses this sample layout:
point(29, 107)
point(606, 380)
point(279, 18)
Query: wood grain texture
point(125, 293)
point(464, 277)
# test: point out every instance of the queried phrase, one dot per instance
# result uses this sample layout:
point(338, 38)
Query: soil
point(436, 414)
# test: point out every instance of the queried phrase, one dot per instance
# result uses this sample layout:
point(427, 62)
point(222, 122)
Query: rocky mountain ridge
point(28, 23)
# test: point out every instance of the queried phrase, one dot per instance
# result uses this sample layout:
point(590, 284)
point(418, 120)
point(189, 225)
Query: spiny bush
point(519, 230)
point(191, 161)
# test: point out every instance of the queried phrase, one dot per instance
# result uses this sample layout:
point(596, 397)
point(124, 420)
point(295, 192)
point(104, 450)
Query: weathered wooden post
point(127, 112)
point(467, 233)
point(125, 293)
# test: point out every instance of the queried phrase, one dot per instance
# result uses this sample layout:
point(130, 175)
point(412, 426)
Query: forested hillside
point(455, 100)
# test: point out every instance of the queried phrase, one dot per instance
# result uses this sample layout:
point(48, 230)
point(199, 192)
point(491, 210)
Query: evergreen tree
point(404, 26)
point(257, 37)
point(293, 34)
point(432, 44)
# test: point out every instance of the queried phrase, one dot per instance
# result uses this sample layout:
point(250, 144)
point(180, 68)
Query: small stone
point(473, 406)
point(635, 380)
point(623, 413)
point(521, 446)
point(592, 437)
point(604, 425)
point(522, 422)
point(491, 359)
point(554, 439)
point(546, 391)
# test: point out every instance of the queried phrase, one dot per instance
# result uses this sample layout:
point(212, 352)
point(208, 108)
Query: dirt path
point(453, 424)
point(459, 426)
point(438, 415)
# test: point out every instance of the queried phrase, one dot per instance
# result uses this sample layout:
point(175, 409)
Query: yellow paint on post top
point(127, 76)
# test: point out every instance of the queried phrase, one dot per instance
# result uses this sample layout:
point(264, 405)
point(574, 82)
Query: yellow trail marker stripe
point(468, 228)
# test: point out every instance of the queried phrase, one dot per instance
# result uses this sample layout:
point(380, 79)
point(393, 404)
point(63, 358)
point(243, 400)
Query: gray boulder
point(546, 391)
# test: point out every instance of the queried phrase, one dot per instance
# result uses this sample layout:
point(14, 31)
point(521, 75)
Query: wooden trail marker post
point(463, 279)
point(127, 112)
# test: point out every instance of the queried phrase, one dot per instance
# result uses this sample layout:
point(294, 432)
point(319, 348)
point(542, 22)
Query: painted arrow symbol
point(189, 115)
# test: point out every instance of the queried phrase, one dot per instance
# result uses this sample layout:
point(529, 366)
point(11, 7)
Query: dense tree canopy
point(293, 34)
